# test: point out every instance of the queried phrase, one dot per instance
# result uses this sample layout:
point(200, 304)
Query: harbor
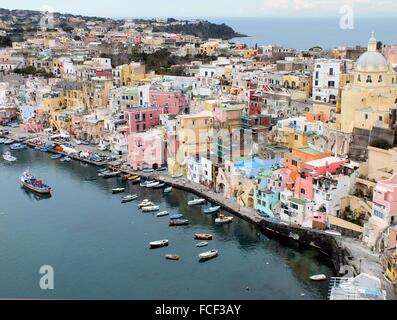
point(106, 243)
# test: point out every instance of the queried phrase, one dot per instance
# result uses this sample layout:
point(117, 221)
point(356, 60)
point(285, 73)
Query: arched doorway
point(155, 166)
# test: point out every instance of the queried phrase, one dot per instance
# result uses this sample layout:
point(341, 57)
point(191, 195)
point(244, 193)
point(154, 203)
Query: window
point(294, 206)
point(303, 191)
point(331, 71)
point(366, 117)
point(296, 137)
point(316, 83)
point(369, 79)
point(380, 118)
point(359, 78)
point(378, 214)
point(317, 74)
point(380, 78)
point(294, 163)
point(137, 116)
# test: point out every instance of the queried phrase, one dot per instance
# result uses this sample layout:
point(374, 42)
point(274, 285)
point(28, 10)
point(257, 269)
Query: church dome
point(372, 60)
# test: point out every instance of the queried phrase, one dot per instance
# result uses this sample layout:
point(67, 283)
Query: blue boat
point(176, 216)
point(56, 156)
point(18, 146)
point(212, 209)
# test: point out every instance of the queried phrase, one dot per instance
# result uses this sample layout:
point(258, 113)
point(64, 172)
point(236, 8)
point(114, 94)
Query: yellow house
point(129, 71)
point(366, 102)
point(193, 134)
point(301, 82)
point(291, 139)
point(250, 53)
point(209, 48)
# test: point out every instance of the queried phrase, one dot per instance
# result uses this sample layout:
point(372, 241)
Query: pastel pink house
point(140, 119)
point(309, 170)
point(146, 150)
point(173, 102)
point(385, 200)
point(8, 114)
point(279, 179)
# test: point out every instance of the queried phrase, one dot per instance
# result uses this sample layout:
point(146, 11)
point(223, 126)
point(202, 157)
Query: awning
point(335, 221)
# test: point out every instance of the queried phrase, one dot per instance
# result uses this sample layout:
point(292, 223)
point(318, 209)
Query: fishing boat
point(56, 156)
point(150, 208)
point(208, 255)
point(159, 186)
point(7, 156)
point(196, 202)
point(223, 219)
point(172, 257)
point(178, 222)
point(176, 216)
point(318, 277)
point(202, 244)
point(145, 203)
point(66, 159)
point(30, 183)
point(118, 190)
point(199, 236)
point(168, 190)
point(109, 174)
point(212, 210)
point(90, 179)
point(129, 198)
point(162, 214)
point(18, 146)
point(153, 184)
point(158, 244)
point(132, 178)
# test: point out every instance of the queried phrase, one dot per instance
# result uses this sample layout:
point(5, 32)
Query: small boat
point(162, 169)
point(7, 156)
point(102, 170)
point(152, 185)
point(147, 170)
point(199, 236)
point(30, 183)
point(118, 190)
point(8, 141)
point(168, 190)
point(333, 232)
point(176, 216)
point(136, 181)
point(2, 140)
point(145, 183)
point(318, 277)
point(159, 186)
point(90, 179)
point(56, 156)
point(202, 244)
point(196, 202)
point(150, 208)
point(162, 214)
point(208, 255)
point(129, 198)
point(66, 159)
point(177, 176)
point(132, 178)
point(18, 146)
point(172, 257)
point(212, 209)
point(145, 203)
point(37, 148)
point(159, 244)
point(223, 219)
point(178, 222)
point(109, 174)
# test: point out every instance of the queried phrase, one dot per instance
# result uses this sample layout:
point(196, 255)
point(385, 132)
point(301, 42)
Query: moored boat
point(162, 214)
point(159, 186)
point(159, 243)
point(66, 159)
point(168, 190)
point(56, 156)
point(7, 156)
point(148, 170)
point(176, 216)
point(199, 236)
point(172, 257)
point(132, 178)
point(102, 170)
point(109, 174)
point(150, 208)
point(145, 203)
point(208, 255)
point(90, 179)
point(212, 210)
point(18, 146)
point(118, 190)
point(129, 198)
point(318, 277)
point(136, 181)
point(196, 202)
point(152, 185)
point(178, 222)
point(8, 141)
point(29, 182)
point(223, 219)
point(202, 244)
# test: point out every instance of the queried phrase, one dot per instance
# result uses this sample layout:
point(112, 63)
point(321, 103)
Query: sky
point(211, 8)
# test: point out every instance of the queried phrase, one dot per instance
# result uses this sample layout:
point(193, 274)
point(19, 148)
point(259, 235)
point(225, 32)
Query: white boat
point(318, 277)
point(150, 208)
point(144, 204)
point(7, 156)
point(129, 198)
point(196, 202)
point(162, 214)
point(202, 244)
point(333, 233)
point(159, 243)
point(168, 190)
point(118, 190)
point(151, 185)
point(208, 255)
point(223, 219)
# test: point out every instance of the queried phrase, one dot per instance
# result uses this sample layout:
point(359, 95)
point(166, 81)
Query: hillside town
point(306, 137)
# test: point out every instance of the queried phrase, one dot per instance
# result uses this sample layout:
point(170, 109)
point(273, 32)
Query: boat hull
point(36, 190)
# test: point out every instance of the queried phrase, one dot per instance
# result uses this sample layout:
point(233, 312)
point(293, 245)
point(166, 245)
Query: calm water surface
point(98, 247)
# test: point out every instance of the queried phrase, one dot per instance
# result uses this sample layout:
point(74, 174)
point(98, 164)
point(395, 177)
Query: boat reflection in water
point(37, 196)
